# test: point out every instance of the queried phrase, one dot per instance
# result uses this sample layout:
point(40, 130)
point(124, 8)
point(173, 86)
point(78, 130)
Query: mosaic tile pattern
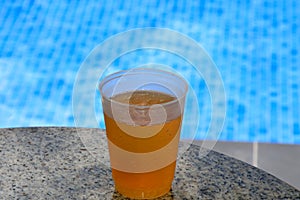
point(255, 44)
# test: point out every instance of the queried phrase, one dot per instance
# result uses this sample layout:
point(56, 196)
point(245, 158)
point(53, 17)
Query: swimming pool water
point(255, 45)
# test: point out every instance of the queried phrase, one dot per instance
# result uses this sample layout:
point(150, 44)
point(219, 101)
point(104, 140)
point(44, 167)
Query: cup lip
point(118, 74)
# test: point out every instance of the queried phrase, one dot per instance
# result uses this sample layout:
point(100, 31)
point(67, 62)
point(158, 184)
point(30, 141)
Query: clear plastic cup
point(143, 110)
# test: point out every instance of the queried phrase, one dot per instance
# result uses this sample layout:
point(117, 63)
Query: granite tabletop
point(54, 163)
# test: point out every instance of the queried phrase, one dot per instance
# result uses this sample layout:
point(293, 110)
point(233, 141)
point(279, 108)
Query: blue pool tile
point(66, 100)
point(60, 84)
point(274, 139)
point(241, 113)
point(263, 130)
point(294, 28)
point(2, 99)
point(295, 86)
point(273, 94)
point(294, 52)
point(296, 129)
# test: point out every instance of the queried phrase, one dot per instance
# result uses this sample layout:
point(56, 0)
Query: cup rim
point(120, 73)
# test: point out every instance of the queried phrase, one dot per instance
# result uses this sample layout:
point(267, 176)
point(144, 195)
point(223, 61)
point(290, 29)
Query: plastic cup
point(143, 110)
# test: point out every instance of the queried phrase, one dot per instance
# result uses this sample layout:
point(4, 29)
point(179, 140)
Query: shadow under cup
point(143, 111)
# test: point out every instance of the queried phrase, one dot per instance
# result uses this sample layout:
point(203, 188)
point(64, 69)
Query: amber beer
point(143, 131)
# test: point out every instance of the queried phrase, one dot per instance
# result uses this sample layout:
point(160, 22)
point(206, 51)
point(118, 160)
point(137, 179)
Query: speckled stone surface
point(53, 163)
